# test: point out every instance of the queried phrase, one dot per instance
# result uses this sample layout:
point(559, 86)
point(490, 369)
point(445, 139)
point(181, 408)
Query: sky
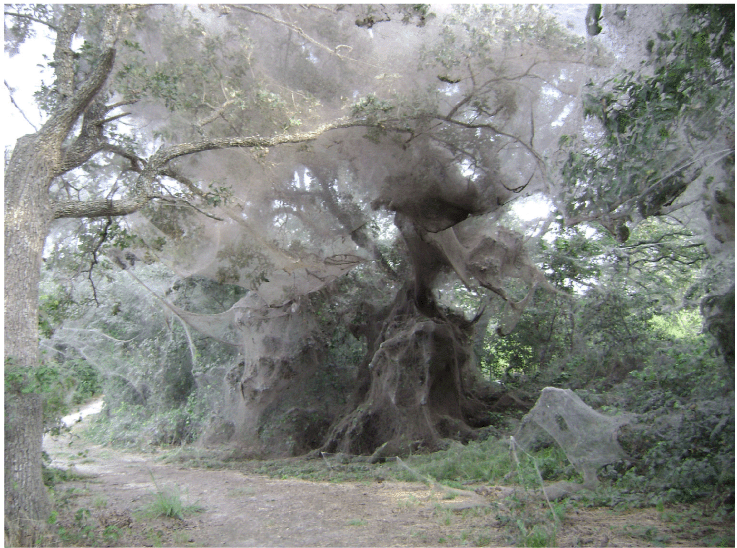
point(24, 73)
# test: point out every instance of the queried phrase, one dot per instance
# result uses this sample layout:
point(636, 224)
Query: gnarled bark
point(420, 363)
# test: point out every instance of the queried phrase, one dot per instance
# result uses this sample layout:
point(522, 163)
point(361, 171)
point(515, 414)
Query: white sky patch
point(466, 169)
point(303, 181)
point(450, 89)
point(532, 207)
point(571, 16)
point(550, 91)
point(311, 57)
point(25, 73)
point(551, 95)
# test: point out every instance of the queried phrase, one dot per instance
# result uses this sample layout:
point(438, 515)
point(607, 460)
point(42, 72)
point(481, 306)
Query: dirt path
point(238, 509)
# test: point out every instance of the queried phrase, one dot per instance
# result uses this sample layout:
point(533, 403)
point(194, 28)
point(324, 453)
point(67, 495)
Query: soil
point(106, 505)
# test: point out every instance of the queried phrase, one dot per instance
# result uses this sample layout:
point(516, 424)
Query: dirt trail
point(251, 510)
point(240, 509)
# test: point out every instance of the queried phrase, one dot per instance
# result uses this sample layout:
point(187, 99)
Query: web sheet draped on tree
point(588, 438)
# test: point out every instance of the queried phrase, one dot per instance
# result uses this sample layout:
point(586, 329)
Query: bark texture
point(415, 388)
point(26, 504)
point(270, 397)
point(27, 218)
point(35, 161)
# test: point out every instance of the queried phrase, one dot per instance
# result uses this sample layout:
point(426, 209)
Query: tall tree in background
point(264, 72)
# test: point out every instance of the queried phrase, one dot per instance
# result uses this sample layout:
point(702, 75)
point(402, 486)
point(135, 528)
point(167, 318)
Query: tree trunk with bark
point(27, 218)
point(36, 160)
point(268, 407)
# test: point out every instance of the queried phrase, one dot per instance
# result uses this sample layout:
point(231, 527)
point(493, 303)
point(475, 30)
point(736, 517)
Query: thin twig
point(12, 100)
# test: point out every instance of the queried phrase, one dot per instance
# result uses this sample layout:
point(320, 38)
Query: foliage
point(144, 427)
point(684, 367)
point(56, 476)
point(612, 321)
point(129, 345)
point(56, 385)
point(484, 462)
point(687, 449)
point(608, 293)
point(632, 340)
point(658, 125)
point(542, 336)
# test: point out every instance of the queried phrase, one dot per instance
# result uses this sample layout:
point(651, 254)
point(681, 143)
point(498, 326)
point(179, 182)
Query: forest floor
point(109, 499)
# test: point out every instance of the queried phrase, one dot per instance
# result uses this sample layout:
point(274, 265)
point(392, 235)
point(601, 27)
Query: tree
point(665, 146)
point(79, 112)
point(438, 139)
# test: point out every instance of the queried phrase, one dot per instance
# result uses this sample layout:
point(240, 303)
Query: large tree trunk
point(35, 161)
point(417, 394)
point(270, 406)
point(27, 218)
point(415, 385)
point(27, 504)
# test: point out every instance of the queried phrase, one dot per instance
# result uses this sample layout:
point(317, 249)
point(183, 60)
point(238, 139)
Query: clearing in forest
point(111, 496)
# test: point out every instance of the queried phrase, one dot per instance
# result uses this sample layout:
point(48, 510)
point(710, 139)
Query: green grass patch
point(477, 462)
point(168, 502)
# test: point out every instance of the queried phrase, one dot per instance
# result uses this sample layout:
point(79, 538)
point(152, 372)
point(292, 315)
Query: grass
point(53, 476)
point(408, 503)
point(527, 522)
point(483, 462)
point(99, 502)
point(168, 503)
point(480, 462)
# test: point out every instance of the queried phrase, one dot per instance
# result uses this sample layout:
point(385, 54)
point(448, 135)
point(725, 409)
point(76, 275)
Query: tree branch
point(656, 241)
point(100, 207)
point(137, 163)
point(63, 54)
point(296, 29)
point(90, 140)
point(31, 18)
point(94, 261)
point(75, 102)
point(157, 166)
point(165, 155)
point(496, 130)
